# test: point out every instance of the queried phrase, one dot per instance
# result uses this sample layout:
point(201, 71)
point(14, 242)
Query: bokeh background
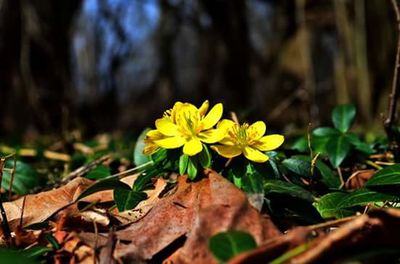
point(105, 65)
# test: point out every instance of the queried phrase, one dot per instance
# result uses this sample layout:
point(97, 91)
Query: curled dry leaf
point(358, 179)
point(143, 207)
point(377, 229)
point(39, 207)
point(192, 214)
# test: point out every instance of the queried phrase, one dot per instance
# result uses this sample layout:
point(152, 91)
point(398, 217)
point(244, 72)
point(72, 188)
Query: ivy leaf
point(298, 166)
point(281, 187)
point(126, 198)
point(99, 172)
point(343, 116)
point(138, 157)
point(337, 149)
point(226, 245)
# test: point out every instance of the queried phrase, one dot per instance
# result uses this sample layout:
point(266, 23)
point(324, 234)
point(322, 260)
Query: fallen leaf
point(197, 211)
point(358, 179)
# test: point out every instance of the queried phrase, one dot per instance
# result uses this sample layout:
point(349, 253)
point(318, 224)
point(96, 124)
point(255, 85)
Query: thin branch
point(6, 227)
point(394, 144)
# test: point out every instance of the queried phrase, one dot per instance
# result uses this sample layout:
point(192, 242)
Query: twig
point(6, 227)
point(12, 177)
point(388, 124)
point(21, 219)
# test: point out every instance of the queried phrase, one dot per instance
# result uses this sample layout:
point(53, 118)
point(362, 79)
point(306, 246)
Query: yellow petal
point(225, 124)
point(170, 142)
point(150, 149)
point(269, 142)
point(203, 108)
point(212, 135)
point(187, 117)
point(212, 118)
point(227, 151)
point(166, 127)
point(256, 130)
point(255, 155)
point(192, 147)
point(154, 134)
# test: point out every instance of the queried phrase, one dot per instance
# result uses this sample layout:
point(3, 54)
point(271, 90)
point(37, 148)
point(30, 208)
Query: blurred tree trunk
point(35, 54)
point(230, 22)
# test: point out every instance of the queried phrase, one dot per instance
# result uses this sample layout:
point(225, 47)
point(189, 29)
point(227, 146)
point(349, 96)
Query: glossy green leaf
point(102, 185)
point(327, 206)
point(386, 176)
point(37, 251)
point(192, 168)
point(328, 178)
point(364, 196)
point(226, 245)
point(25, 178)
point(183, 163)
point(325, 132)
point(126, 198)
point(343, 116)
point(138, 157)
point(286, 188)
point(204, 157)
point(252, 181)
point(99, 172)
point(358, 144)
point(337, 149)
point(298, 166)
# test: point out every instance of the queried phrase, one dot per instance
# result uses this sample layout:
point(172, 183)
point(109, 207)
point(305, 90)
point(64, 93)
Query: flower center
point(239, 135)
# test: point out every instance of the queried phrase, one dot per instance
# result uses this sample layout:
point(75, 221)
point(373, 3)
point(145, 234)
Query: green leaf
point(25, 178)
point(138, 157)
point(99, 172)
point(226, 245)
point(102, 185)
point(281, 187)
point(192, 168)
point(337, 149)
point(183, 163)
point(327, 206)
point(127, 199)
point(300, 144)
point(325, 132)
point(159, 156)
point(343, 116)
point(204, 157)
point(252, 181)
point(358, 144)
point(386, 176)
point(37, 251)
point(53, 241)
point(8, 256)
point(364, 196)
point(327, 176)
point(298, 166)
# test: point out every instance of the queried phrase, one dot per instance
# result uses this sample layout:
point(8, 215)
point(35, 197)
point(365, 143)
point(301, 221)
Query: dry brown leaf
point(39, 207)
point(376, 229)
point(358, 179)
point(197, 210)
point(130, 216)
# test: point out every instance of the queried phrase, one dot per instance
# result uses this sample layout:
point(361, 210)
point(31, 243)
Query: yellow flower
point(247, 140)
point(186, 125)
point(150, 147)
